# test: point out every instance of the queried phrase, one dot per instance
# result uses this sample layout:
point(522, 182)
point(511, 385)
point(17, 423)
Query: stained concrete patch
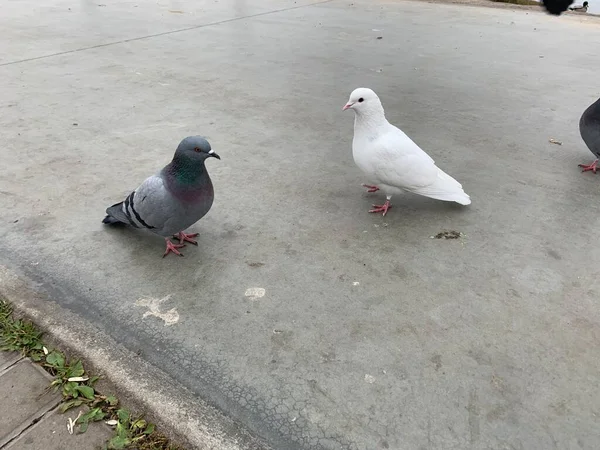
point(24, 398)
point(7, 359)
point(51, 434)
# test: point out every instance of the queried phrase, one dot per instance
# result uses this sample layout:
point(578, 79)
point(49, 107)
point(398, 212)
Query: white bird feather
point(391, 159)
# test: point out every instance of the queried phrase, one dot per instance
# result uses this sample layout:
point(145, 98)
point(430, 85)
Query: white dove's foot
point(186, 237)
point(381, 208)
point(371, 188)
point(588, 167)
point(173, 248)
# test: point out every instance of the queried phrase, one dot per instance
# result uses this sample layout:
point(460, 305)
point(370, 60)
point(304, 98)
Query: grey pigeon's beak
point(213, 154)
point(347, 105)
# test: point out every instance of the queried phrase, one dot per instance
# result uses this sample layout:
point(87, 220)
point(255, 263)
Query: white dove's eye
point(360, 100)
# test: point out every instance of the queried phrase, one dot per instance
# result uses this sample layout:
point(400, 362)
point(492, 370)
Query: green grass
point(78, 388)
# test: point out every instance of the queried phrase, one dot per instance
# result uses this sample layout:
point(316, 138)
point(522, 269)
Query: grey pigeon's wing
point(589, 127)
point(151, 206)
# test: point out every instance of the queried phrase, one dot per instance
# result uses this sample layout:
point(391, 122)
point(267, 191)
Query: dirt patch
point(452, 234)
point(255, 264)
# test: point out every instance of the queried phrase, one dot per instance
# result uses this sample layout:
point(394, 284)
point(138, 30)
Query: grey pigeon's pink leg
point(371, 188)
point(173, 248)
point(591, 166)
point(186, 237)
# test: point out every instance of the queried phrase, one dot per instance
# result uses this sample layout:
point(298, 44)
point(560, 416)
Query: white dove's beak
point(347, 105)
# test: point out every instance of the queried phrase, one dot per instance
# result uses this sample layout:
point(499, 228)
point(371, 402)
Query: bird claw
point(381, 208)
point(186, 237)
point(588, 167)
point(173, 248)
point(371, 188)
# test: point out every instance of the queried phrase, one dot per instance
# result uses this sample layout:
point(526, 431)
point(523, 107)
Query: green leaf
point(149, 429)
point(56, 359)
point(70, 404)
point(123, 415)
point(83, 426)
point(93, 380)
point(76, 370)
point(93, 415)
point(86, 391)
point(70, 389)
point(112, 400)
point(119, 442)
point(140, 424)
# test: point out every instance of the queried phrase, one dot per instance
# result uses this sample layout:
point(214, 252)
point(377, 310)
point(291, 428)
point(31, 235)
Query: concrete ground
point(370, 334)
point(31, 419)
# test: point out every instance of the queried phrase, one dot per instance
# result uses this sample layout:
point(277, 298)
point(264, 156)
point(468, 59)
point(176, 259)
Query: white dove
point(392, 160)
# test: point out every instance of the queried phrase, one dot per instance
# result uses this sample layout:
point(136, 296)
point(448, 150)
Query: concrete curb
point(142, 387)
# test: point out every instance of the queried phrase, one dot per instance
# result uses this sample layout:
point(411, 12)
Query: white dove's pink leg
point(173, 248)
point(382, 208)
point(587, 167)
point(186, 237)
point(371, 188)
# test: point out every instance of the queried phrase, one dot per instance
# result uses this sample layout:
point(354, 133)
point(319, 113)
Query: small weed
point(77, 388)
point(19, 335)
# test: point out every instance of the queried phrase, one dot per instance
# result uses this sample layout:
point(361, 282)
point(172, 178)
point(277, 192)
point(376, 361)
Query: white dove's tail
point(444, 188)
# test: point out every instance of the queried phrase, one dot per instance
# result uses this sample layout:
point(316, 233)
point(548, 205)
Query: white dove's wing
point(397, 161)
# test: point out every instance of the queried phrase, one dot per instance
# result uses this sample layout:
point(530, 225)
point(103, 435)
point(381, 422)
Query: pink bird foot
point(186, 237)
point(371, 188)
point(381, 208)
point(173, 248)
point(588, 167)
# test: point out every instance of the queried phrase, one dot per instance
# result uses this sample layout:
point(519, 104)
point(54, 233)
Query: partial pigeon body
point(557, 7)
point(579, 8)
point(173, 199)
point(391, 160)
point(589, 127)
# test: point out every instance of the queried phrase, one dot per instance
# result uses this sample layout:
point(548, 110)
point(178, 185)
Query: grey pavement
point(30, 418)
point(300, 316)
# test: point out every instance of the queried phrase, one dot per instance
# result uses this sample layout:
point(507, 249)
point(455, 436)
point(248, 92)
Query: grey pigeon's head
point(363, 100)
point(195, 149)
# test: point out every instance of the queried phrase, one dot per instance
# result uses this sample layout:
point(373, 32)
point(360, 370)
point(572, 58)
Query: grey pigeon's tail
point(115, 216)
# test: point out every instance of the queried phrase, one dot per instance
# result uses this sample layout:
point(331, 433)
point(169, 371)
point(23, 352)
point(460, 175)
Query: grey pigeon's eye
point(197, 149)
point(360, 100)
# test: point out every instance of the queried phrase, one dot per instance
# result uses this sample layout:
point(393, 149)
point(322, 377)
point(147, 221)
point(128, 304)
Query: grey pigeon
point(173, 199)
point(589, 127)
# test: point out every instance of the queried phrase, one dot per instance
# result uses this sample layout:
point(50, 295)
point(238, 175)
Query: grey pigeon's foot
point(381, 208)
point(173, 248)
point(371, 188)
point(186, 237)
point(589, 167)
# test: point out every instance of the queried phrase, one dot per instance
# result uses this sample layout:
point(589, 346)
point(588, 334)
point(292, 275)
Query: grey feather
point(589, 127)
